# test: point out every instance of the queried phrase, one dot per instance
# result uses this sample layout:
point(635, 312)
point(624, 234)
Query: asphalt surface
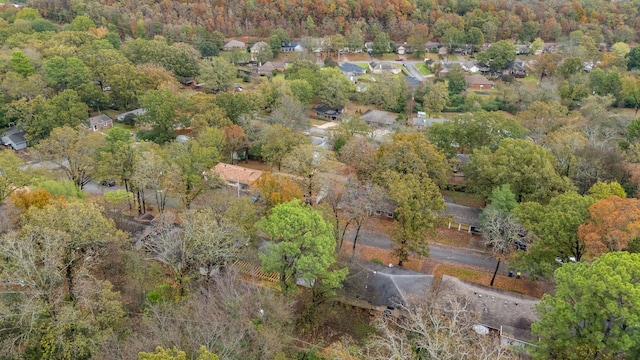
point(438, 252)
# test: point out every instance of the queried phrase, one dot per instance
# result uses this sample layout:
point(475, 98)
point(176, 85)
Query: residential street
point(438, 252)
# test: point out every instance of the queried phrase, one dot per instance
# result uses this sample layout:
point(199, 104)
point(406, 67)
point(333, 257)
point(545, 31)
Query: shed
point(14, 138)
point(97, 123)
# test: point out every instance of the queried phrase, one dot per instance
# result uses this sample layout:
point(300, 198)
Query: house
point(470, 66)
point(388, 287)
point(132, 113)
point(403, 48)
point(332, 113)
point(369, 46)
point(522, 49)
point(292, 46)
point(422, 121)
point(14, 138)
point(462, 215)
point(518, 69)
point(378, 67)
point(350, 69)
point(478, 81)
point(550, 47)
point(234, 45)
point(270, 66)
point(412, 83)
point(237, 177)
point(258, 49)
point(432, 46)
point(98, 123)
point(443, 53)
point(378, 118)
point(508, 313)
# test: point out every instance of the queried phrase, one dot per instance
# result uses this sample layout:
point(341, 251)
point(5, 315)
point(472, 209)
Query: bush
point(377, 261)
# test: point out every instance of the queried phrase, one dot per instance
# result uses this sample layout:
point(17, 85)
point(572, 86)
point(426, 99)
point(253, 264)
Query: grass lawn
point(463, 198)
point(530, 79)
point(423, 68)
point(364, 66)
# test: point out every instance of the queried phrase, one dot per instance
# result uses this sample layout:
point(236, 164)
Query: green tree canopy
point(594, 312)
point(302, 246)
point(528, 168)
point(553, 229)
point(499, 55)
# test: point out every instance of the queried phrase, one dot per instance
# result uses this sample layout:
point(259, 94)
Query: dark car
point(108, 182)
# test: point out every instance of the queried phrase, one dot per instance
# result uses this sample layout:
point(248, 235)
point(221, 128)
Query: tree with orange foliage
point(236, 140)
point(25, 199)
point(614, 223)
point(278, 189)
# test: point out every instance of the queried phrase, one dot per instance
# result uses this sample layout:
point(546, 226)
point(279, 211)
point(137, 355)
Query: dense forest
point(168, 192)
point(605, 21)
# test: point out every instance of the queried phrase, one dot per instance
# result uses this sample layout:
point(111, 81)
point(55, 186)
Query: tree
point(620, 49)
point(74, 150)
point(411, 153)
point(554, 232)
point(499, 55)
point(435, 100)
point(291, 113)
point(175, 354)
point(12, 177)
point(381, 42)
point(528, 168)
point(187, 164)
point(438, 328)
point(236, 140)
point(22, 64)
point(278, 189)
point(634, 59)
point(163, 112)
point(334, 90)
point(457, 83)
point(357, 205)
point(277, 141)
point(419, 204)
point(302, 246)
point(613, 224)
point(593, 312)
point(306, 162)
point(602, 190)
point(360, 154)
point(217, 74)
point(631, 91)
point(472, 131)
point(276, 39)
point(82, 23)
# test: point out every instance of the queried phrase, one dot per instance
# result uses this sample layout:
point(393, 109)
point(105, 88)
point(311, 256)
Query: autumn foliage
point(38, 198)
point(614, 222)
point(278, 189)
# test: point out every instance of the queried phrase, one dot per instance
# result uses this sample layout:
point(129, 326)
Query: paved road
point(437, 251)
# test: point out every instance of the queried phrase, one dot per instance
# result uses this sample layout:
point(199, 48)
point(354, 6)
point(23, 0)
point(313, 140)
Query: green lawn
point(364, 66)
point(529, 79)
point(423, 68)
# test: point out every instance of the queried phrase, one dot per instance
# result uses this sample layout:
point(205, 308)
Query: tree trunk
point(495, 273)
point(69, 276)
point(355, 238)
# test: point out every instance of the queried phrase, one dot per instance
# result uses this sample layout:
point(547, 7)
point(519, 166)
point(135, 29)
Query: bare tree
point(231, 317)
point(359, 203)
point(439, 327)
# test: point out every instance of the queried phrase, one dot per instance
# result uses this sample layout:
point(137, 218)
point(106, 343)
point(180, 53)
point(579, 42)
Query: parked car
point(108, 182)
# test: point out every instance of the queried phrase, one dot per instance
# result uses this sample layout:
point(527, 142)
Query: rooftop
point(235, 173)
